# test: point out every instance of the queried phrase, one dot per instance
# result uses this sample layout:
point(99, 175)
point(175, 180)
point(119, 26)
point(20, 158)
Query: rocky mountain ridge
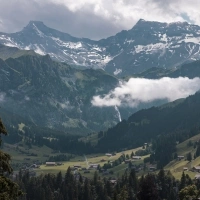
point(147, 44)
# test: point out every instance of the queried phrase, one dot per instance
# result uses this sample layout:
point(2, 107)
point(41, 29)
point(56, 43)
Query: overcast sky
point(94, 19)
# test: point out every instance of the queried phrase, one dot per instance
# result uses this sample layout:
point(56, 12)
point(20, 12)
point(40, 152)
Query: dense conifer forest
point(70, 186)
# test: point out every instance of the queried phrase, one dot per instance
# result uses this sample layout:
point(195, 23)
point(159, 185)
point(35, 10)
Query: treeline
point(58, 158)
point(164, 146)
point(147, 124)
point(57, 140)
point(31, 134)
point(61, 143)
point(129, 187)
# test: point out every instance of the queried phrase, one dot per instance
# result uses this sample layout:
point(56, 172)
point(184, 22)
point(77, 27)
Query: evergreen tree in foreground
point(8, 189)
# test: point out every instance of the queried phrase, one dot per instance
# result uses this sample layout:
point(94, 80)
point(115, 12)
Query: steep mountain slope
point(60, 46)
point(190, 70)
point(55, 95)
point(144, 125)
point(146, 45)
point(19, 127)
point(154, 44)
point(7, 52)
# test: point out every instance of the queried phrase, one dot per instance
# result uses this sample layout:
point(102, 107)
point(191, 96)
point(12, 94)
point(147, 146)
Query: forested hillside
point(147, 124)
point(54, 95)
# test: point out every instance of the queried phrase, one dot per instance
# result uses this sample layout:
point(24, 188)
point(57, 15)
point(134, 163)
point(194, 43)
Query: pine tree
point(183, 181)
point(189, 157)
point(87, 191)
point(133, 181)
point(58, 180)
point(8, 189)
point(198, 151)
point(123, 195)
point(161, 179)
point(148, 188)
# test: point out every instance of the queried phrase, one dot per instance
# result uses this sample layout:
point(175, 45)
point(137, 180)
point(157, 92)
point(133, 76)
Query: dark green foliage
point(9, 190)
point(147, 159)
point(197, 153)
point(189, 192)
point(128, 187)
point(148, 189)
point(61, 157)
point(185, 181)
point(189, 144)
point(175, 155)
point(177, 119)
point(141, 152)
point(189, 156)
point(190, 70)
point(52, 94)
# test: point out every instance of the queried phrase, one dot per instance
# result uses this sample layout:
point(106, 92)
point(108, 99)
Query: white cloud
point(125, 13)
point(138, 90)
point(94, 18)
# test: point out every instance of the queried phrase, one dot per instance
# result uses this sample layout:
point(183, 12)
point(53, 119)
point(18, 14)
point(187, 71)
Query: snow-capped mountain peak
point(147, 44)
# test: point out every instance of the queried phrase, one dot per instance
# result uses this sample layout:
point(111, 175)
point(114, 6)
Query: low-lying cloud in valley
point(138, 90)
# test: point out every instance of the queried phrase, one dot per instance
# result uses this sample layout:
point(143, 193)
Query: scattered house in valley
point(152, 168)
point(34, 166)
point(108, 154)
point(136, 157)
point(196, 168)
point(60, 163)
point(127, 161)
point(95, 166)
point(77, 166)
point(51, 164)
point(102, 160)
point(185, 168)
point(113, 181)
point(197, 177)
point(180, 157)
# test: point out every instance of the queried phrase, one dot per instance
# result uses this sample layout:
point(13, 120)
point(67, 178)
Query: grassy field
point(176, 166)
point(21, 155)
point(99, 159)
point(93, 138)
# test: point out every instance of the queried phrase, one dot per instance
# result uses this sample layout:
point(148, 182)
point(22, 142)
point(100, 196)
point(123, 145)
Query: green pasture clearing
point(21, 154)
point(92, 138)
point(183, 148)
point(176, 166)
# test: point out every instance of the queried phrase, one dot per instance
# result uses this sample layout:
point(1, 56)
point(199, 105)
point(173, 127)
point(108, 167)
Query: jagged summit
point(148, 44)
point(33, 24)
point(143, 22)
